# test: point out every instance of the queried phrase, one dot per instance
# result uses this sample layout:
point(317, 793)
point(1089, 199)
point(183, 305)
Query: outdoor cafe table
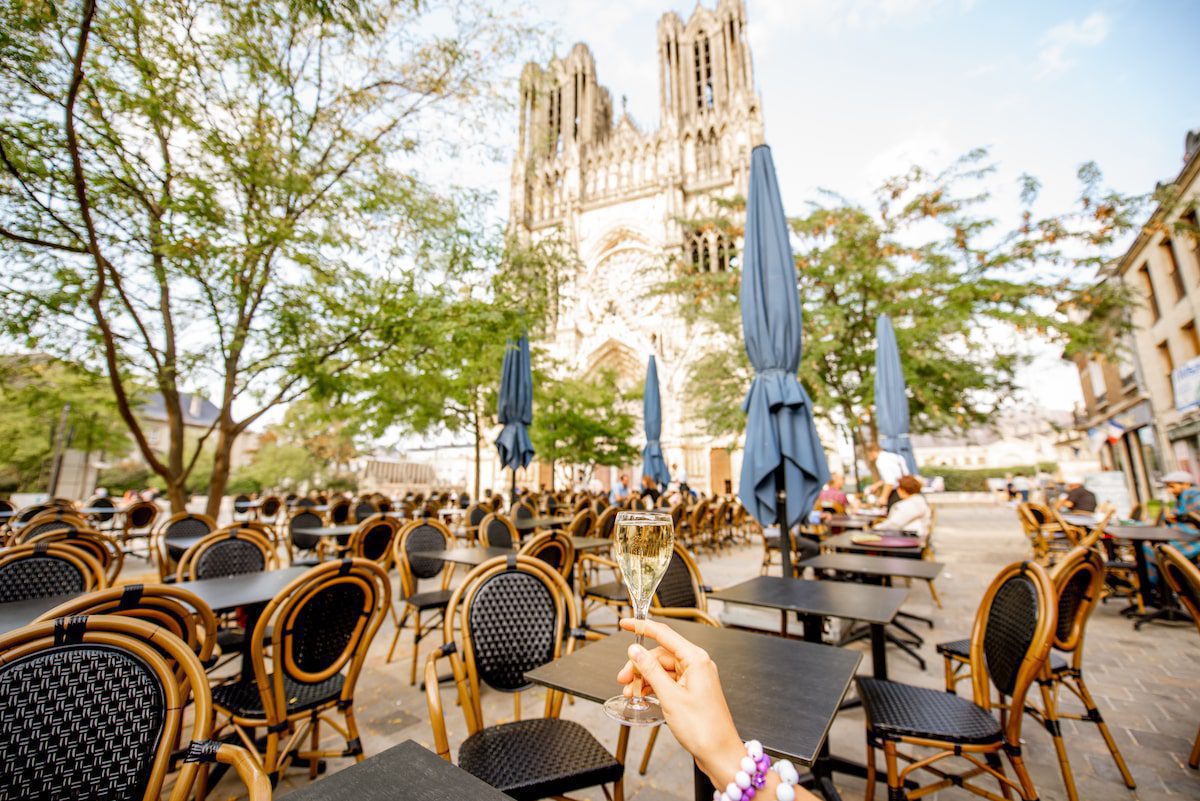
point(816, 600)
point(404, 772)
point(849, 521)
point(881, 567)
point(465, 556)
point(531, 523)
point(1150, 534)
point(784, 693)
point(591, 543)
point(911, 547)
point(221, 594)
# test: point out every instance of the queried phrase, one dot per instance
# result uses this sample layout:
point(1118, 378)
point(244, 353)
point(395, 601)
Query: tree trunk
point(552, 475)
point(177, 494)
point(222, 459)
point(478, 437)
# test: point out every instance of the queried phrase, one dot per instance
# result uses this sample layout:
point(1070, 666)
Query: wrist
point(720, 762)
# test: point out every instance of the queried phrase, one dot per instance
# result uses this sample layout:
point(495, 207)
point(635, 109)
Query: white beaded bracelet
point(752, 777)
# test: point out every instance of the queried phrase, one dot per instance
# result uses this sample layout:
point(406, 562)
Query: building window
point(710, 251)
point(1191, 339)
point(1168, 366)
point(1148, 288)
point(704, 75)
point(1173, 269)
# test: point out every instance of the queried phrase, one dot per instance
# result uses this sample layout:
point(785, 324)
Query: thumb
point(652, 672)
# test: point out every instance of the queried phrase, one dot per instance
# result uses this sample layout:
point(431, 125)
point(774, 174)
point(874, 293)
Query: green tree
point(956, 282)
point(312, 445)
point(34, 391)
point(223, 193)
point(582, 422)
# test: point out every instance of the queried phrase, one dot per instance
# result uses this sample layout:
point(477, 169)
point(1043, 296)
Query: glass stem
point(637, 701)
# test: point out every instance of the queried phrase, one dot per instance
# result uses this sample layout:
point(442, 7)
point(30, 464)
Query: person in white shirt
point(911, 513)
point(890, 467)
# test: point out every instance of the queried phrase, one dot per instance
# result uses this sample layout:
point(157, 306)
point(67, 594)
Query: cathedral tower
point(621, 196)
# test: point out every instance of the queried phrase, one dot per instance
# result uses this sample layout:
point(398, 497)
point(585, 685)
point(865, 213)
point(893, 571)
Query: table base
point(1168, 614)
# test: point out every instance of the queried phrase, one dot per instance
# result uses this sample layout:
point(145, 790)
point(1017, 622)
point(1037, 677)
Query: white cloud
point(838, 15)
point(1058, 42)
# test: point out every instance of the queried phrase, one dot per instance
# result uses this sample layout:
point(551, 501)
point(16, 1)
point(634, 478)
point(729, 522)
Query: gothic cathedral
point(621, 195)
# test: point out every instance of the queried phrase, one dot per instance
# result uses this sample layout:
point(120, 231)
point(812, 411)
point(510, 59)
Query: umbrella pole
point(514, 485)
point(781, 517)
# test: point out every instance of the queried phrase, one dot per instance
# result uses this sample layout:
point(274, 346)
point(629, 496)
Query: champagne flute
point(642, 544)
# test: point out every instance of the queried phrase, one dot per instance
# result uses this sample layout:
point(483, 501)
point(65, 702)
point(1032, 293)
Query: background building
point(1018, 438)
point(620, 194)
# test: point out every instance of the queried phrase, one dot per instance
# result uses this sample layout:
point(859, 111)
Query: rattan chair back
point(554, 548)
point(101, 502)
point(45, 569)
point(365, 509)
point(339, 512)
point(321, 625)
point(241, 505)
point(420, 535)
point(1182, 576)
point(497, 531)
point(373, 539)
point(140, 516)
point(681, 585)
point(1078, 579)
point(233, 551)
point(101, 547)
point(297, 523)
point(27, 513)
point(7, 505)
point(50, 520)
point(1041, 514)
point(513, 612)
point(269, 507)
point(187, 524)
point(170, 607)
point(1011, 638)
point(583, 523)
point(93, 707)
point(521, 511)
point(606, 523)
point(475, 515)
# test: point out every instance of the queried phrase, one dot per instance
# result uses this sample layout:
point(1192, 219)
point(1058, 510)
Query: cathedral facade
point(621, 196)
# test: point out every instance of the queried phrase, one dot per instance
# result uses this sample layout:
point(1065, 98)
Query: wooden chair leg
point(314, 743)
point(1050, 713)
point(416, 646)
point(396, 637)
point(933, 592)
point(353, 742)
point(896, 790)
point(1094, 714)
point(1028, 791)
point(869, 793)
point(649, 750)
point(949, 665)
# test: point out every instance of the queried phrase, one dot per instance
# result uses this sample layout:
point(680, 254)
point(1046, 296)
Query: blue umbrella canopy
point(891, 398)
point(653, 463)
point(515, 407)
point(779, 424)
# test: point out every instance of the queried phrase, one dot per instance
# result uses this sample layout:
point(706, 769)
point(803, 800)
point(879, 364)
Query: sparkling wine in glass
point(642, 545)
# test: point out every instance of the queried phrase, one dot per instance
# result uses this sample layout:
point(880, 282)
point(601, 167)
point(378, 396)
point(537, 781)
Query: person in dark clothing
point(650, 489)
point(1078, 498)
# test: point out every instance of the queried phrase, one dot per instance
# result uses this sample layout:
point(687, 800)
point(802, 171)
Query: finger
point(685, 650)
point(652, 672)
point(627, 673)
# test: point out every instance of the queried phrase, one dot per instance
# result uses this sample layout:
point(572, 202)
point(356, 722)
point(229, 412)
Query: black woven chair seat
point(431, 599)
point(903, 710)
point(612, 591)
point(962, 650)
point(539, 758)
point(242, 698)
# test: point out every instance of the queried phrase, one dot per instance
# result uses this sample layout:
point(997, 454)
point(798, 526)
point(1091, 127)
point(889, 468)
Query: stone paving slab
point(1147, 684)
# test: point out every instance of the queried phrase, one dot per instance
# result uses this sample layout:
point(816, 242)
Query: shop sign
point(1186, 380)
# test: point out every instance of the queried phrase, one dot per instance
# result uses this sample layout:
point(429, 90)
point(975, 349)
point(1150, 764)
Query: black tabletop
point(849, 521)
point(15, 614)
point(863, 602)
point(465, 556)
point(329, 531)
point(405, 772)
point(875, 565)
point(1150, 533)
point(845, 542)
point(224, 594)
point(783, 693)
point(530, 523)
point(591, 543)
point(100, 510)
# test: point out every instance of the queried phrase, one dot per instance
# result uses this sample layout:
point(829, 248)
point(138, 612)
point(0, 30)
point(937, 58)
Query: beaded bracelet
point(752, 777)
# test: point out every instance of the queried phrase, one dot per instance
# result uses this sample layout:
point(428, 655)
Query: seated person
point(685, 681)
point(833, 492)
point(650, 489)
point(1182, 515)
point(911, 512)
point(1078, 498)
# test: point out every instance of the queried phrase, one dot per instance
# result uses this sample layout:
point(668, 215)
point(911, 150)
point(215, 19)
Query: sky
point(854, 91)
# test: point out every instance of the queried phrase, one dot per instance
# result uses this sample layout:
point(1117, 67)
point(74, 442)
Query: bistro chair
point(593, 593)
point(182, 524)
point(582, 524)
point(373, 540)
point(101, 547)
point(268, 532)
point(365, 509)
point(179, 611)
point(682, 594)
point(554, 548)
point(473, 517)
point(138, 522)
point(1183, 577)
point(521, 510)
point(1077, 581)
point(318, 630)
point(242, 510)
point(339, 512)
point(1047, 546)
point(98, 519)
point(697, 527)
point(45, 569)
point(515, 614)
point(50, 520)
point(299, 541)
point(92, 707)
point(497, 531)
point(1008, 649)
point(232, 551)
point(421, 535)
point(269, 508)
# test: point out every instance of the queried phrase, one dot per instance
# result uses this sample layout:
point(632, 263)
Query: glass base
point(622, 710)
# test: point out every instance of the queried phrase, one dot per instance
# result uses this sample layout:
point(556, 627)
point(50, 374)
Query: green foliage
point(127, 475)
point(967, 480)
point(33, 392)
point(964, 293)
point(583, 421)
point(308, 448)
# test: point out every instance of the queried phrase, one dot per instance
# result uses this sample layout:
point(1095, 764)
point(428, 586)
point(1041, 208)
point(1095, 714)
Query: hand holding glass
point(642, 544)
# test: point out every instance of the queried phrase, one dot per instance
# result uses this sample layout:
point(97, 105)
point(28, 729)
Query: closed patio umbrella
point(784, 465)
point(653, 463)
point(515, 408)
point(891, 398)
